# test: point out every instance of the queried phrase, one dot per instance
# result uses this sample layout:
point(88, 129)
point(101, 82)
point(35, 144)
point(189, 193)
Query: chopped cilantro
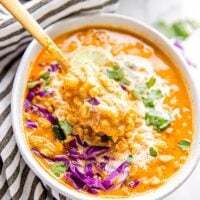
point(58, 132)
point(117, 74)
point(153, 152)
point(139, 90)
point(152, 96)
point(184, 145)
point(130, 159)
point(159, 120)
point(45, 75)
point(155, 94)
point(151, 82)
point(58, 168)
point(148, 103)
point(65, 126)
point(31, 85)
point(125, 81)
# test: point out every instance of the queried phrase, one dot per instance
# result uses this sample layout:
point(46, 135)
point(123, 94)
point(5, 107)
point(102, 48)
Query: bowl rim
point(16, 113)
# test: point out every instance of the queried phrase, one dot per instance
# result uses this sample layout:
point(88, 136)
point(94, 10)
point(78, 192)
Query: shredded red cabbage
point(30, 95)
point(89, 170)
point(44, 93)
point(93, 101)
point(31, 124)
point(86, 176)
point(54, 67)
point(75, 154)
point(102, 165)
point(63, 159)
point(107, 183)
point(123, 87)
point(93, 151)
point(72, 144)
point(92, 191)
point(27, 105)
point(77, 183)
point(80, 142)
point(47, 114)
point(134, 183)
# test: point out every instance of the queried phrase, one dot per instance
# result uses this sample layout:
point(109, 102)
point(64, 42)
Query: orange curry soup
point(118, 123)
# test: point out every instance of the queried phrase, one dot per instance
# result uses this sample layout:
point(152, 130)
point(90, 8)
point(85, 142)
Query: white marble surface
point(151, 11)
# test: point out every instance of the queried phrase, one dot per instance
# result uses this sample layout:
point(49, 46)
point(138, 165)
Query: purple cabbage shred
point(93, 101)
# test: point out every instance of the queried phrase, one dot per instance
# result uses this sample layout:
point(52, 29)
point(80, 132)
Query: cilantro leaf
point(155, 94)
point(117, 74)
point(59, 168)
point(152, 96)
point(159, 120)
point(151, 82)
point(45, 75)
point(58, 132)
point(184, 145)
point(139, 90)
point(153, 152)
point(66, 127)
point(130, 159)
point(125, 81)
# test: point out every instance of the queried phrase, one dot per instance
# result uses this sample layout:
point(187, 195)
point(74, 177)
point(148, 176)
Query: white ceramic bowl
point(121, 22)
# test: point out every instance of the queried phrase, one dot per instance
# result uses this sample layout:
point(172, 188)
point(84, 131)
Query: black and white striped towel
point(17, 181)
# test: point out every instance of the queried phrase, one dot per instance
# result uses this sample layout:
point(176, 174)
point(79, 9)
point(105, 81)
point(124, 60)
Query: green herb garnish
point(151, 82)
point(130, 159)
point(159, 120)
point(117, 74)
point(139, 90)
point(31, 85)
point(45, 76)
point(58, 168)
point(153, 152)
point(184, 145)
point(106, 138)
point(58, 132)
point(66, 127)
point(152, 96)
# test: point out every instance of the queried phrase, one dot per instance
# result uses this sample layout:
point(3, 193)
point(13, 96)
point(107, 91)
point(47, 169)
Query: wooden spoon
point(29, 23)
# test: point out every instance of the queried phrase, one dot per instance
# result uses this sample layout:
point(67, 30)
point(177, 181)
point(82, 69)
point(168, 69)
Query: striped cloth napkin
point(17, 181)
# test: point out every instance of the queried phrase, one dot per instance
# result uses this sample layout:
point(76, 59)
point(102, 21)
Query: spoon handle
point(29, 23)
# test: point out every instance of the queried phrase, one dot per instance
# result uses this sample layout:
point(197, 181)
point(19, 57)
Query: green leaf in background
point(130, 159)
point(178, 29)
point(184, 145)
point(153, 152)
point(159, 120)
point(58, 168)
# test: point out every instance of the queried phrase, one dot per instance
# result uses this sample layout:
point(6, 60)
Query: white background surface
point(151, 11)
